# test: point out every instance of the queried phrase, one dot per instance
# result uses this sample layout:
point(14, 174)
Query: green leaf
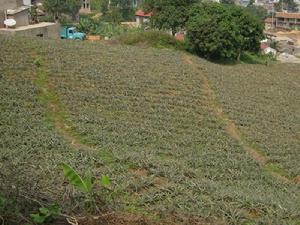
point(38, 218)
point(44, 211)
point(88, 182)
point(2, 202)
point(105, 181)
point(75, 179)
point(54, 210)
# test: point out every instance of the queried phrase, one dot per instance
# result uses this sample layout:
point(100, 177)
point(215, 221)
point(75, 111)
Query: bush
point(250, 58)
point(92, 26)
point(156, 39)
point(219, 31)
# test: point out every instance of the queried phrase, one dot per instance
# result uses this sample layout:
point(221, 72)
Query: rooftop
point(143, 14)
point(17, 10)
point(288, 15)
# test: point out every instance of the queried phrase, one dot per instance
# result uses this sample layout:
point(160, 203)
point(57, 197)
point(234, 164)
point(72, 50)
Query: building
point(85, 7)
point(20, 15)
point(141, 17)
point(287, 20)
point(14, 9)
point(269, 23)
point(19, 11)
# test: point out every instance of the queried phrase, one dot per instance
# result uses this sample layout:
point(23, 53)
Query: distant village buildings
point(283, 20)
point(287, 20)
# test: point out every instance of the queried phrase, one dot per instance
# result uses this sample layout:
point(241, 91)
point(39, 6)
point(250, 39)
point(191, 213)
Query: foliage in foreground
point(86, 185)
point(46, 214)
point(219, 31)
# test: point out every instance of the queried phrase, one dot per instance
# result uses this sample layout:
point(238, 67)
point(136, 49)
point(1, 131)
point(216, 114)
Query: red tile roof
point(263, 46)
point(141, 13)
point(288, 15)
point(179, 37)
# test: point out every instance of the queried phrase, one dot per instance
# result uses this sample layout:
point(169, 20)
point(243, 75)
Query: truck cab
point(71, 33)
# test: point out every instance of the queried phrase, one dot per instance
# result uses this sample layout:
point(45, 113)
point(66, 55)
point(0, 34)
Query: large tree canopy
point(169, 14)
point(223, 31)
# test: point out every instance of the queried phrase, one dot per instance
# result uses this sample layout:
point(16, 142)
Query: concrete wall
point(10, 4)
point(47, 30)
point(2, 18)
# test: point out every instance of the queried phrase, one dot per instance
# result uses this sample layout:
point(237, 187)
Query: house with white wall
point(141, 17)
point(14, 9)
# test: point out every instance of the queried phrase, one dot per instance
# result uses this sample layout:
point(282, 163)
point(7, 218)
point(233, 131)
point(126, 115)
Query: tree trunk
point(173, 32)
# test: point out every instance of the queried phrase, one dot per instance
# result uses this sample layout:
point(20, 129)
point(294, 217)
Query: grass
point(250, 58)
point(151, 126)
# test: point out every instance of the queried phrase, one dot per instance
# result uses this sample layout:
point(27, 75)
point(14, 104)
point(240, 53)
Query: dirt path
point(231, 128)
point(57, 116)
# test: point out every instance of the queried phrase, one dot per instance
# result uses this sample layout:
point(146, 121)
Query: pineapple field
point(182, 140)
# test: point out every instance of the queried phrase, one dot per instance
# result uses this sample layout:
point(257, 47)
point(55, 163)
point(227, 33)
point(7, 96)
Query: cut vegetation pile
point(157, 122)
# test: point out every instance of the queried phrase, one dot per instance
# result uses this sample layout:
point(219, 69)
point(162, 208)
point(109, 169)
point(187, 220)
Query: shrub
point(98, 27)
point(156, 39)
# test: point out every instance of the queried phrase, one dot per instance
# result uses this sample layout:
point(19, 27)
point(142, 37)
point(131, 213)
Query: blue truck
point(71, 33)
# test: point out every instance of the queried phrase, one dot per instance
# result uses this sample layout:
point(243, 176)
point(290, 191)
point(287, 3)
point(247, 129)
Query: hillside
point(181, 138)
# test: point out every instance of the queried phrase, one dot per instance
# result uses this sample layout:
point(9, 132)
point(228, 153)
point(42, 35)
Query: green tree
point(257, 11)
point(114, 7)
point(104, 7)
point(55, 7)
point(58, 7)
point(125, 7)
point(114, 15)
point(169, 14)
point(218, 31)
point(288, 5)
point(72, 8)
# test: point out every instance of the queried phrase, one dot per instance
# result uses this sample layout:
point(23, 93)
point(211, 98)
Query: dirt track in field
point(230, 126)
point(56, 112)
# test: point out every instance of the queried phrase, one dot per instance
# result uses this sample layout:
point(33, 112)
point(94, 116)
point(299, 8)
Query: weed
point(154, 39)
point(37, 62)
point(85, 185)
point(46, 214)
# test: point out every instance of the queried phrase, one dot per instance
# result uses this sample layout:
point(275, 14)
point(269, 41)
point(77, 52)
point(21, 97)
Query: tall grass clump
point(155, 39)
